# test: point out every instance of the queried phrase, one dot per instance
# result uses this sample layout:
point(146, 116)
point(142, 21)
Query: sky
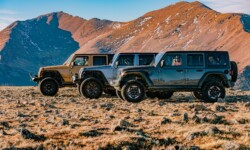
point(115, 10)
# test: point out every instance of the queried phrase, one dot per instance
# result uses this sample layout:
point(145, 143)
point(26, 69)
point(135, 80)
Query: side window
point(173, 60)
point(195, 60)
point(126, 60)
point(216, 60)
point(81, 61)
point(146, 59)
point(99, 60)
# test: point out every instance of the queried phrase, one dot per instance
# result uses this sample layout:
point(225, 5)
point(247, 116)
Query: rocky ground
point(29, 120)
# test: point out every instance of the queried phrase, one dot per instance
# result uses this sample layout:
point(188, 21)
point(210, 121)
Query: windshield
point(67, 62)
point(114, 58)
point(158, 58)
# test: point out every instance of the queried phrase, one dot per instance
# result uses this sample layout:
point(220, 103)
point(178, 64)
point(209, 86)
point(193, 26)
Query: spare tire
point(234, 69)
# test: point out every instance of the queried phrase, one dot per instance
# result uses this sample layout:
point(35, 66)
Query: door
point(172, 72)
point(195, 68)
point(124, 60)
point(78, 63)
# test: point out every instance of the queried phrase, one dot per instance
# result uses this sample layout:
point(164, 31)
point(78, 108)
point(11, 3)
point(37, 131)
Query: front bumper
point(116, 84)
point(34, 78)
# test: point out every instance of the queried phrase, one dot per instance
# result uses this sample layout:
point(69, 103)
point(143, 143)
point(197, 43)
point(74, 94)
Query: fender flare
point(215, 73)
point(53, 74)
point(142, 75)
point(94, 75)
point(49, 78)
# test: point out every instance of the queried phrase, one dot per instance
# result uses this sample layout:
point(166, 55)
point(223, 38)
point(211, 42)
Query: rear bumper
point(75, 79)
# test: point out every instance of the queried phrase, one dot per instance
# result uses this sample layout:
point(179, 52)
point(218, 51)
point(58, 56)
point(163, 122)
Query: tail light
point(231, 72)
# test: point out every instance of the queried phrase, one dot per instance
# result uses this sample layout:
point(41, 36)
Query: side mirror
point(162, 63)
point(116, 64)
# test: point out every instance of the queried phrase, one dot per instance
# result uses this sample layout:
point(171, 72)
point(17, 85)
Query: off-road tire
point(234, 69)
point(210, 91)
point(119, 94)
point(151, 94)
point(165, 95)
point(198, 95)
point(136, 95)
point(48, 87)
point(91, 88)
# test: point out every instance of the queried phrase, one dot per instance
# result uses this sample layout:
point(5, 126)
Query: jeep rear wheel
point(119, 95)
point(133, 91)
point(165, 95)
point(48, 87)
point(213, 90)
point(198, 95)
point(91, 88)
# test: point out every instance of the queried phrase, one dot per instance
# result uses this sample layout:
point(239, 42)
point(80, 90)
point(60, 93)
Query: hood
point(55, 67)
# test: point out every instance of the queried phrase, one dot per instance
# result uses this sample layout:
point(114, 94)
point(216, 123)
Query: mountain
point(46, 40)
point(182, 26)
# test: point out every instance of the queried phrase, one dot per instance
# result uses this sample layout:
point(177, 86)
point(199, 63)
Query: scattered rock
point(185, 117)
point(91, 133)
point(141, 133)
point(63, 122)
point(107, 106)
point(139, 119)
point(204, 120)
point(165, 120)
point(29, 135)
point(219, 108)
point(5, 124)
point(199, 107)
point(212, 130)
point(192, 135)
point(231, 146)
point(196, 119)
point(125, 123)
point(175, 114)
point(247, 105)
point(2, 132)
point(83, 119)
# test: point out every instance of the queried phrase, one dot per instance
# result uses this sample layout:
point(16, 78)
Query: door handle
point(179, 70)
point(199, 70)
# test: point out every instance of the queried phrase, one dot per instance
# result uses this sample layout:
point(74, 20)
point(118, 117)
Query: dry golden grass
point(117, 124)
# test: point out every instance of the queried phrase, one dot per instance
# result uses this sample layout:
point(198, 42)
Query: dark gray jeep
point(205, 73)
point(92, 81)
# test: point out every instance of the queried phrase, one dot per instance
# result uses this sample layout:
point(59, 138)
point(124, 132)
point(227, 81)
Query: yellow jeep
point(51, 78)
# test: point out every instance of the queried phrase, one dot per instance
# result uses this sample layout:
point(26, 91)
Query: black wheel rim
point(133, 92)
point(92, 88)
point(214, 92)
point(49, 87)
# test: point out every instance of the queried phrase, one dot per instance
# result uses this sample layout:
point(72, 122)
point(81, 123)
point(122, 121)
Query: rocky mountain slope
point(182, 26)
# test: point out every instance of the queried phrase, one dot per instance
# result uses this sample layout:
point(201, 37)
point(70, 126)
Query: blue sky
point(116, 10)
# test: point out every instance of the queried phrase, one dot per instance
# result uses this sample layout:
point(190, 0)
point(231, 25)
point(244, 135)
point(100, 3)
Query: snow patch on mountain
point(167, 19)
point(144, 21)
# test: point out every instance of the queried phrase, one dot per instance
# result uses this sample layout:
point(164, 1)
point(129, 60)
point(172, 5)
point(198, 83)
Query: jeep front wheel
point(213, 90)
point(91, 88)
point(48, 87)
point(198, 95)
point(133, 91)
